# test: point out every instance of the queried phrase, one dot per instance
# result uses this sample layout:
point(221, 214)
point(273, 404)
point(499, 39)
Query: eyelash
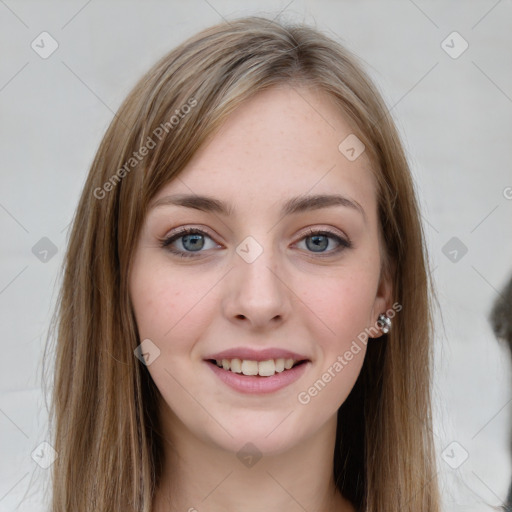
point(166, 243)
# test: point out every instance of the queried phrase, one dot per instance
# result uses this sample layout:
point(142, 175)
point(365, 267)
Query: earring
point(384, 322)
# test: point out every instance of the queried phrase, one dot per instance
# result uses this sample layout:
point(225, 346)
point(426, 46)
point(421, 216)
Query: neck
point(200, 475)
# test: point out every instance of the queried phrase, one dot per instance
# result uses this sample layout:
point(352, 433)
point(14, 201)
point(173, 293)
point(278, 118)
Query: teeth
point(266, 368)
point(236, 365)
point(262, 368)
point(249, 367)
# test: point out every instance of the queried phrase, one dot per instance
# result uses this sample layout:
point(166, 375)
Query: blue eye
point(192, 241)
point(318, 241)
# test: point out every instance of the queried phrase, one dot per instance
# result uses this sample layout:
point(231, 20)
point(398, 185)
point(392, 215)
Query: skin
point(277, 145)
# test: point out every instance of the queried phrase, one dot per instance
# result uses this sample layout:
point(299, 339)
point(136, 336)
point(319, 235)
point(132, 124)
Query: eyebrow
point(292, 206)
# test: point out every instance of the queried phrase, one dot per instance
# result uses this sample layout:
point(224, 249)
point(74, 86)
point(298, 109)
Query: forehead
point(283, 142)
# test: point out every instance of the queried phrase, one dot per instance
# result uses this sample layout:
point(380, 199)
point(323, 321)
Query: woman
point(244, 321)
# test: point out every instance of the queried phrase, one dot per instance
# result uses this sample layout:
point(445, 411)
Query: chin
point(265, 433)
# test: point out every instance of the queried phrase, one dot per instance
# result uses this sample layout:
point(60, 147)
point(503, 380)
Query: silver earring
point(384, 323)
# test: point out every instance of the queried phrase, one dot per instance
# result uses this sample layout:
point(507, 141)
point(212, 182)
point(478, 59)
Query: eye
point(191, 240)
point(317, 241)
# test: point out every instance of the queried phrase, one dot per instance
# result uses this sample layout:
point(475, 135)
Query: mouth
point(255, 370)
point(249, 376)
point(252, 368)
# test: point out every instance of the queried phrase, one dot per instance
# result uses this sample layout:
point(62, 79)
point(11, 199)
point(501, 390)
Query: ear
point(383, 298)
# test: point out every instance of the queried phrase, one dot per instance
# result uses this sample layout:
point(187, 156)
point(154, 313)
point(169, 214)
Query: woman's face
point(269, 274)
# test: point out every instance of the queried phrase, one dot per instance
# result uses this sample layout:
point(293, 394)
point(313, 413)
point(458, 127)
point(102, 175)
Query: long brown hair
point(104, 414)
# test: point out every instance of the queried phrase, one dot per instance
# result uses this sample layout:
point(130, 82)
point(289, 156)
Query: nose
point(256, 293)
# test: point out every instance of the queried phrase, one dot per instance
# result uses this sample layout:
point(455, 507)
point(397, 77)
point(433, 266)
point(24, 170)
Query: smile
point(262, 368)
point(252, 381)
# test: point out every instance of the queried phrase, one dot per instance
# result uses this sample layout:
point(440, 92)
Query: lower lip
point(254, 384)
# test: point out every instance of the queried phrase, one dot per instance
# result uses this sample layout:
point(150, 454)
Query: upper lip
point(250, 354)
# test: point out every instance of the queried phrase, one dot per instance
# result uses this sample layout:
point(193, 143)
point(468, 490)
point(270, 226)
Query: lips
point(256, 355)
point(257, 383)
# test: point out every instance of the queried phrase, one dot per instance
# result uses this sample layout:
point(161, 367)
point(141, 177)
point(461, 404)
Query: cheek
point(165, 302)
point(340, 304)
point(339, 309)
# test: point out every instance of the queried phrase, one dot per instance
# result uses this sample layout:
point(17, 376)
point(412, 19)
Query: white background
point(454, 116)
